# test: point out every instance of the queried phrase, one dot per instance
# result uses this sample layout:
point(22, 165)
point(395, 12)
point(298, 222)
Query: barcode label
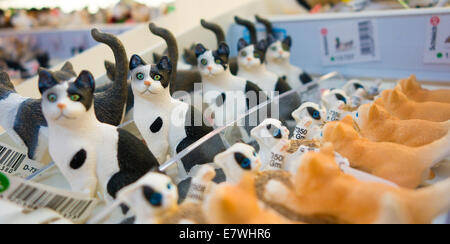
point(30, 195)
point(350, 41)
point(366, 40)
point(15, 163)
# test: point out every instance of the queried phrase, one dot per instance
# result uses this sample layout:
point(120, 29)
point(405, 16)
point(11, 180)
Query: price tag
point(15, 163)
point(437, 45)
point(349, 42)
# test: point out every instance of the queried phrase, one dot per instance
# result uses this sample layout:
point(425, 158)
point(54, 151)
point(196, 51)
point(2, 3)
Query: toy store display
point(262, 142)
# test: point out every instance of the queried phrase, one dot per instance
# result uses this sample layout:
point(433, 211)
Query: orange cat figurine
point(321, 188)
point(403, 165)
point(238, 204)
point(414, 91)
point(396, 103)
point(376, 124)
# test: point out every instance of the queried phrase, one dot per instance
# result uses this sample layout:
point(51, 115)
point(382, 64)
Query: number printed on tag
point(437, 44)
point(349, 42)
point(30, 195)
point(15, 163)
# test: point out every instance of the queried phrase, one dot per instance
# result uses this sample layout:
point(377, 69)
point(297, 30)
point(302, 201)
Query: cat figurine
point(168, 125)
point(22, 117)
point(406, 166)
point(154, 200)
point(376, 124)
point(414, 91)
point(227, 95)
point(398, 104)
point(238, 204)
point(309, 118)
point(334, 101)
point(278, 58)
point(321, 189)
point(251, 66)
point(93, 156)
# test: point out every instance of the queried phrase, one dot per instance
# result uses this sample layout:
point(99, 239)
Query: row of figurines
point(78, 121)
point(401, 137)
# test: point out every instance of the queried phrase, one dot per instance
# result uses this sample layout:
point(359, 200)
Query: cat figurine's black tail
point(218, 31)
point(172, 46)
point(110, 110)
point(267, 24)
point(251, 28)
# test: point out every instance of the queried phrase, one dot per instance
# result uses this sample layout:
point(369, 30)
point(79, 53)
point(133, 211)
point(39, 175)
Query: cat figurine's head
point(150, 197)
point(6, 86)
point(278, 51)
point(334, 98)
point(212, 63)
point(251, 56)
point(371, 114)
point(67, 102)
point(354, 86)
point(237, 160)
point(148, 80)
point(312, 111)
point(269, 133)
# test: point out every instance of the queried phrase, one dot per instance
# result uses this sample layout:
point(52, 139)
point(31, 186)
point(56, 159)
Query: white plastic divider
point(401, 42)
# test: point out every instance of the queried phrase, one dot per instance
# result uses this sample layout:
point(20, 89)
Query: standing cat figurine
point(87, 152)
point(22, 117)
point(278, 55)
point(168, 126)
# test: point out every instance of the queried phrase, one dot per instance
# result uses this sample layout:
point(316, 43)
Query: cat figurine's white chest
point(265, 79)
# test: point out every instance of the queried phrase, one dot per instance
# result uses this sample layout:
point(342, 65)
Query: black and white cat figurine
point(89, 153)
point(168, 125)
point(278, 58)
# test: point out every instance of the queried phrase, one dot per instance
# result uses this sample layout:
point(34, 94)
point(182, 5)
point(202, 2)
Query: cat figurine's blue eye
point(169, 186)
point(156, 199)
point(204, 62)
point(255, 154)
point(357, 115)
point(277, 133)
point(244, 54)
point(246, 163)
point(52, 98)
point(140, 76)
point(316, 115)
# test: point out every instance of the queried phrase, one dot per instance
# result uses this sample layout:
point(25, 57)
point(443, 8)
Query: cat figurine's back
point(87, 152)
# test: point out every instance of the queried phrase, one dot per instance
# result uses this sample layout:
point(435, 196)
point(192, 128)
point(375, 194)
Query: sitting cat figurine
point(406, 166)
point(168, 125)
point(153, 200)
point(22, 117)
point(414, 91)
point(322, 189)
point(376, 124)
point(238, 204)
point(277, 58)
point(222, 91)
point(251, 66)
point(396, 103)
point(310, 118)
point(87, 152)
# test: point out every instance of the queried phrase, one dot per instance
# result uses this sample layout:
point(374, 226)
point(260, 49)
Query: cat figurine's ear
point(242, 44)
point(6, 81)
point(85, 81)
point(271, 39)
point(199, 50)
point(165, 64)
point(136, 61)
point(68, 68)
point(262, 45)
point(287, 43)
point(46, 80)
point(223, 50)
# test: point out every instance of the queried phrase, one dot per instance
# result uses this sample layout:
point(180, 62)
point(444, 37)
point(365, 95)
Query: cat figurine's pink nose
point(61, 106)
point(147, 83)
point(249, 59)
point(210, 68)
